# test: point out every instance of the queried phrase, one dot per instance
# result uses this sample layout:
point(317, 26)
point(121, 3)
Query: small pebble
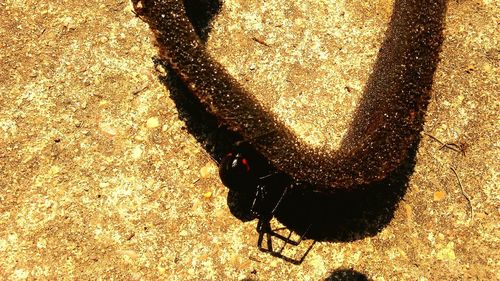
point(108, 129)
point(153, 122)
point(439, 196)
point(137, 152)
point(204, 172)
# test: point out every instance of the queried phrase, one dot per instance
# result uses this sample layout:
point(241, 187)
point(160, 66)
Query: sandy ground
point(99, 178)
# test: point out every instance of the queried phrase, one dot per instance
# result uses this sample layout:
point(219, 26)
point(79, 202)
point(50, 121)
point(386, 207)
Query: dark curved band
point(386, 123)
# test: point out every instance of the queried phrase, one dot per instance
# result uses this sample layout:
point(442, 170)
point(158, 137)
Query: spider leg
point(260, 207)
point(269, 233)
point(287, 239)
point(305, 254)
point(303, 235)
point(264, 223)
point(257, 202)
point(264, 228)
point(279, 202)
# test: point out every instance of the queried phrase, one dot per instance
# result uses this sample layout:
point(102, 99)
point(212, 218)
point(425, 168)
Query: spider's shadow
point(346, 215)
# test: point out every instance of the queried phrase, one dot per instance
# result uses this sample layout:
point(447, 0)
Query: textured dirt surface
point(100, 179)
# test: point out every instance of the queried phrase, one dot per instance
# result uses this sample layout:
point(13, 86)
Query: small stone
point(161, 270)
point(130, 254)
point(141, 136)
point(447, 253)
point(470, 68)
point(137, 152)
point(204, 172)
point(207, 170)
point(409, 213)
point(54, 170)
point(487, 68)
point(153, 122)
point(439, 196)
point(105, 128)
point(41, 243)
point(69, 23)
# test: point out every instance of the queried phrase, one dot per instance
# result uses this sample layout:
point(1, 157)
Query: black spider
point(244, 170)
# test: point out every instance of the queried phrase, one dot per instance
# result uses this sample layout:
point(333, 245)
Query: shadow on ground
point(346, 275)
